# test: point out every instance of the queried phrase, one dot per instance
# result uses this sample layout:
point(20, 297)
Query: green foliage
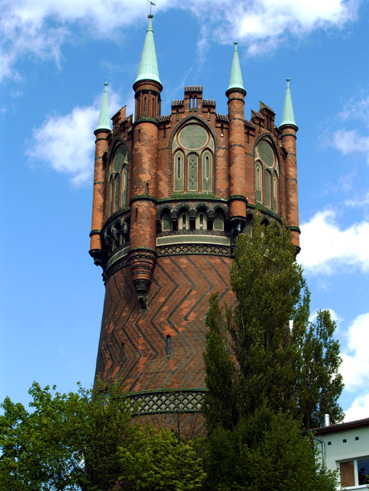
point(256, 356)
point(157, 460)
point(266, 452)
point(86, 441)
point(67, 441)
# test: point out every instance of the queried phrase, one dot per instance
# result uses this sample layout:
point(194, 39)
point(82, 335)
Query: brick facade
point(171, 193)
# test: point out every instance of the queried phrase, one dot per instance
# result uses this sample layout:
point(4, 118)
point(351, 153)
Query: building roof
point(235, 81)
point(288, 116)
point(104, 118)
point(148, 69)
point(342, 426)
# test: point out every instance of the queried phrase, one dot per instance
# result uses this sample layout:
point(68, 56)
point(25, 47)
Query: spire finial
point(235, 81)
point(148, 69)
point(288, 116)
point(151, 4)
point(104, 118)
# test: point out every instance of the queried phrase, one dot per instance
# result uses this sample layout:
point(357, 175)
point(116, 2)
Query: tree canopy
point(270, 372)
point(87, 441)
point(266, 349)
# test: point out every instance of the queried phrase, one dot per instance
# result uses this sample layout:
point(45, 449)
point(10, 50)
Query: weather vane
point(151, 4)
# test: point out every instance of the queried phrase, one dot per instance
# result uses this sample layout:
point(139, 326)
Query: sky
point(55, 56)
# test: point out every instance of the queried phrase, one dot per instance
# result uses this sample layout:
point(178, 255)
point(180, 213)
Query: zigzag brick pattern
point(133, 341)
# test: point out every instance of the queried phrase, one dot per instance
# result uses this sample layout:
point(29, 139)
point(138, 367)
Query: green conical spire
point(104, 118)
point(235, 81)
point(148, 66)
point(288, 117)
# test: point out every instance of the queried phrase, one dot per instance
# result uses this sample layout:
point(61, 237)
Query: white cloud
point(40, 28)
point(349, 141)
point(355, 355)
point(66, 143)
point(358, 410)
point(325, 247)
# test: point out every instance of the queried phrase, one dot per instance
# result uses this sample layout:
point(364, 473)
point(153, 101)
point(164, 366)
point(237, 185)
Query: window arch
point(266, 174)
point(259, 182)
point(193, 148)
point(118, 180)
point(218, 221)
point(268, 189)
point(201, 222)
point(178, 172)
point(275, 192)
point(183, 221)
point(166, 223)
point(193, 171)
point(207, 171)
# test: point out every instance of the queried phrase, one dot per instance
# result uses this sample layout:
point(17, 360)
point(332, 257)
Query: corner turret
point(237, 178)
point(288, 138)
point(101, 145)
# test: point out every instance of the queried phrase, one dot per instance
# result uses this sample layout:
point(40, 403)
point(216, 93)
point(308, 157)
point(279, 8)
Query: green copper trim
point(293, 228)
point(192, 197)
point(238, 197)
point(234, 98)
point(94, 232)
point(146, 197)
point(289, 134)
point(235, 81)
point(148, 69)
point(288, 116)
point(265, 210)
point(146, 120)
point(104, 118)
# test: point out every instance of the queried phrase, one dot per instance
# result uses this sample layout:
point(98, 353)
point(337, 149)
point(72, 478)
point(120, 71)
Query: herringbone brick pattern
point(133, 342)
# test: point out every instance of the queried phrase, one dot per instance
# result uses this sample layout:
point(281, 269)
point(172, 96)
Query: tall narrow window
point(201, 221)
point(116, 192)
point(166, 223)
point(218, 222)
point(124, 187)
point(184, 222)
point(145, 106)
point(258, 182)
point(178, 172)
point(268, 189)
point(111, 197)
point(275, 192)
point(192, 172)
point(168, 346)
point(207, 172)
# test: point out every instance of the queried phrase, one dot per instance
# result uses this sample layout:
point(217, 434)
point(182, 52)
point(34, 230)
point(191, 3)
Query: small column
point(237, 177)
point(101, 145)
point(288, 137)
point(147, 87)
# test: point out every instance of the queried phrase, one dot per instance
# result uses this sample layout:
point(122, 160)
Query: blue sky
point(54, 59)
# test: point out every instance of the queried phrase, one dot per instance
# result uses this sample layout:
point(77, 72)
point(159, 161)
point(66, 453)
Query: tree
point(87, 441)
point(264, 452)
point(67, 441)
point(294, 372)
point(157, 460)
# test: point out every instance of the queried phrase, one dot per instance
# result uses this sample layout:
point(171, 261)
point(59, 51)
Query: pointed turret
point(237, 178)
point(104, 118)
point(235, 81)
point(288, 116)
point(148, 69)
point(288, 138)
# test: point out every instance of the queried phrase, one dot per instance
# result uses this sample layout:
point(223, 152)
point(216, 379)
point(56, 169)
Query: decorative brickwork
point(164, 226)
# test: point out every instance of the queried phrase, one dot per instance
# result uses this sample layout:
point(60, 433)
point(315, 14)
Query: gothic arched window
point(118, 180)
point(266, 175)
point(193, 148)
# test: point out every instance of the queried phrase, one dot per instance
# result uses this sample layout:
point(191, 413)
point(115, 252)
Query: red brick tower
point(171, 193)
